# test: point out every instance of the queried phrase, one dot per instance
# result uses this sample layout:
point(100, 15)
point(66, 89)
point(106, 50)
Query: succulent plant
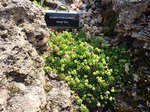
point(93, 70)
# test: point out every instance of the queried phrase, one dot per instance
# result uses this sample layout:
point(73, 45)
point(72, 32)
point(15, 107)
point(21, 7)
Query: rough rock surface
point(22, 31)
point(23, 38)
point(25, 20)
point(134, 20)
point(55, 3)
point(58, 95)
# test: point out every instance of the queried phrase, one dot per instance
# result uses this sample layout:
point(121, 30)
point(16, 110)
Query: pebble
point(89, 13)
point(99, 18)
point(95, 20)
point(77, 5)
point(82, 21)
point(100, 29)
point(88, 18)
point(97, 32)
point(92, 22)
point(83, 6)
point(89, 29)
point(135, 77)
point(93, 6)
point(91, 25)
point(148, 104)
point(92, 3)
point(126, 67)
point(101, 34)
point(95, 28)
point(85, 25)
point(84, 12)
point(73, 6)
point(77, 1)
point(55, 110)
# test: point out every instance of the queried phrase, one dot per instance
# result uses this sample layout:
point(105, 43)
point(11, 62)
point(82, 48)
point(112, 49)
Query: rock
point(76, 1)
point(30, 25)
point(146, 45)
point(73, 6)
point(89, 13)
point(126, 66)
point(23, 38)
point(95, 20)
point(99, 18)
point(92, 3)
point(59, 98)
point(136, 77)
point(83, 6)
point(88, 19)
point(77, 5)
point(97, 32)
point(89, 29)
point(56, 2)
point(134, 19)
point(95, 28)
point(101, 34)
point(92, 22)
point(100, 29)
point(86, 26)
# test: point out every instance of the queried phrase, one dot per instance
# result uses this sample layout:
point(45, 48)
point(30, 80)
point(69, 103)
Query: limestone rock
point(24, 21)
point(23, 36)
point(58, 95)
point(55, 3)
point(134, 19)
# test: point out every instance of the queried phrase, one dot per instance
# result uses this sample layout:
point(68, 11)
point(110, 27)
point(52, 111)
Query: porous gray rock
point(134, 19)
point(59, 98)
point(55, 3)
point(23, 36)
point(23, 19)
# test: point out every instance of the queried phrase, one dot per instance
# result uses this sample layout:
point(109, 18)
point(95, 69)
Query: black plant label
point(68, 20)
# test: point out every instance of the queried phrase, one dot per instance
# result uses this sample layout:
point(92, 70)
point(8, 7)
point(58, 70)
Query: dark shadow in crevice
point(17, 77)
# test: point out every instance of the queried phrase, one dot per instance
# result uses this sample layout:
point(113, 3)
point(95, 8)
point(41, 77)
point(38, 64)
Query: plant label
point(62, 19)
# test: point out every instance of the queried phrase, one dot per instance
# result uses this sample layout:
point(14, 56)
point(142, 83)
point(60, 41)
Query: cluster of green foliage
point(92, 69)
point(40, 3)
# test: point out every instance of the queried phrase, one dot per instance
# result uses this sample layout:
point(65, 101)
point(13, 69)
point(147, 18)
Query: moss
point(110, 21)
point(14, 90)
